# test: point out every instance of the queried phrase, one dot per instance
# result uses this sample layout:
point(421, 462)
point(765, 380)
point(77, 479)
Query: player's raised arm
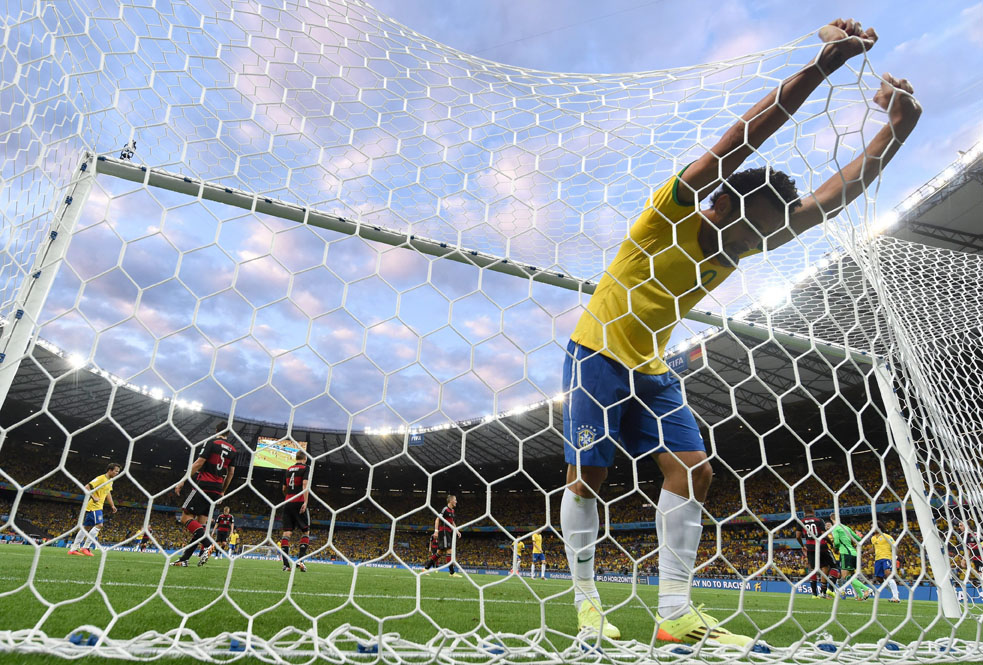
point(894, 96)
point(844, 39)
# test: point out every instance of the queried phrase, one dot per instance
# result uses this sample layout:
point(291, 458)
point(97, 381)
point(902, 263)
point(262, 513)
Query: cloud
point(502, 169)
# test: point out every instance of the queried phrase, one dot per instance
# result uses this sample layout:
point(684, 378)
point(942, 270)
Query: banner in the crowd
point(680, 362)
point(416, 439)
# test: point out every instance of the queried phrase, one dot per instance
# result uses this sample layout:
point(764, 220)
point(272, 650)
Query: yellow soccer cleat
point(589, 617)
point(693, 626)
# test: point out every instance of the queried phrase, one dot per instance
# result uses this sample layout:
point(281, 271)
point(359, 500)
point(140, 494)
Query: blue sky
point(278, 322)
point(938, 46)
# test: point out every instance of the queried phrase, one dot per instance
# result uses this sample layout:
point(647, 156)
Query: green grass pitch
point(337, 595)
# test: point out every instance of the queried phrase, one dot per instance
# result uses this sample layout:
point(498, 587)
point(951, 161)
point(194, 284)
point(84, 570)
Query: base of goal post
point(350, 644)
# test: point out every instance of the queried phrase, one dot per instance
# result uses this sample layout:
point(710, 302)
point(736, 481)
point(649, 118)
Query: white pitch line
point(359, 596)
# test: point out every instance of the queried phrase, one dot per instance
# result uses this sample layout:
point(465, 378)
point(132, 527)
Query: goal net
point(314, 229)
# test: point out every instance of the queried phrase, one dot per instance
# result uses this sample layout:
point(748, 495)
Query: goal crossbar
point(182, 184)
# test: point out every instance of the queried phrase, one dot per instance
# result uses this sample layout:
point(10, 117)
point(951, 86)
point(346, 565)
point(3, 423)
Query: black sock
point(815, 590)
point(285, 546)
point(190, 549)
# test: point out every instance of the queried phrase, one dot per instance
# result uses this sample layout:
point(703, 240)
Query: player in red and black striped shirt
point(971, 543)
point(295, 514)
point(212, 471)
point(225, 525)
point(444, 529)
point(816, 550)
point(144, 538)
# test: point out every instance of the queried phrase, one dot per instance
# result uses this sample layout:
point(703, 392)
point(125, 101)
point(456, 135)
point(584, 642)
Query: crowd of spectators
point(764, 491)
point(739, 549)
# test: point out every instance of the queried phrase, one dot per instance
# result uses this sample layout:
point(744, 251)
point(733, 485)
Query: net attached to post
point(332, 234)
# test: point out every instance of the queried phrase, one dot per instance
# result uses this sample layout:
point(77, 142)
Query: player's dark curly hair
point(762, 181)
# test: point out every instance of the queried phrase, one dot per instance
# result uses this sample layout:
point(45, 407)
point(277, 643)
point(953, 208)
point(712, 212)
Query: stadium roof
point(945, 211)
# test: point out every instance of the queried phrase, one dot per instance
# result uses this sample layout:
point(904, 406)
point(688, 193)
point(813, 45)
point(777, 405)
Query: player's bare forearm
point(894, 96)
point(843, 188)
point(844, 40)
point(228, 479)
point(196, 466)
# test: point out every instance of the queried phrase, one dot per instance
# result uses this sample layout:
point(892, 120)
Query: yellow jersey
point(659, 274)
point(537, 543)
point(234, 538)
point(520, 547)
point(101, 487)
point(883, 546)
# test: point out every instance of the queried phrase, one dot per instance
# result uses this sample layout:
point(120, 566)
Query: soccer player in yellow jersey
point(537, 555)
point(884, 561)
point(518, 547)
point(100, 490)
point(233, 543)
point(619, 391)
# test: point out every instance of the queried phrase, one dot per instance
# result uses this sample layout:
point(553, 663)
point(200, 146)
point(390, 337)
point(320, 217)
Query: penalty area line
point(376, 596)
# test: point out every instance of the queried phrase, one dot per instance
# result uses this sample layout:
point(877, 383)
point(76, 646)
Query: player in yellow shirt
point(517, 550)
point(537, 555)
point(884, 556)
point(233, 543)
point(620, 394)
point(99, 491)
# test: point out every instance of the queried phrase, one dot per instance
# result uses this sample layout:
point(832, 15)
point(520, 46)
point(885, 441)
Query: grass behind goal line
point(511, 605)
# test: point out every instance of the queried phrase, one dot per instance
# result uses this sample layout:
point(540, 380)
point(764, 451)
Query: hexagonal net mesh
point(318, 230)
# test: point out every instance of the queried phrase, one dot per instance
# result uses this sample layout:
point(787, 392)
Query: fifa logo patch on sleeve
point(586, 436)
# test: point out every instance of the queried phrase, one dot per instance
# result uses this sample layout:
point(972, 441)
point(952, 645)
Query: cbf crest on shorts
point(586, 436)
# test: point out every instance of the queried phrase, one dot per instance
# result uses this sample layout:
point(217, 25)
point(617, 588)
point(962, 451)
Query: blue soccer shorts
point(882, 568)
point(538, 557)
point(600, 411)
point(92, 518)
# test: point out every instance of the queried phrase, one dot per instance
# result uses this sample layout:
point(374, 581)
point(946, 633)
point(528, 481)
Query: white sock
point(532, 570)
point(678, 525)
point(893, 586)
point(579, 523)
point(543, 571)
point(79, 537)
point(93, 533)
